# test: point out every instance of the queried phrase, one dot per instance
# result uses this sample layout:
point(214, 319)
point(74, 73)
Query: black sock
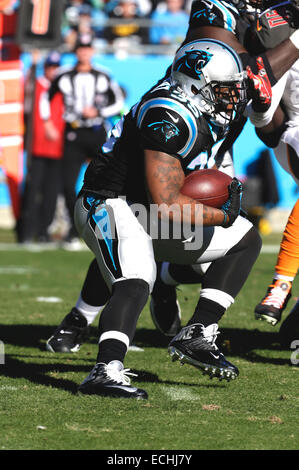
point(184, 274)
point(207, 312)
point(121, 314)
point(95, 291)
point(111, 350)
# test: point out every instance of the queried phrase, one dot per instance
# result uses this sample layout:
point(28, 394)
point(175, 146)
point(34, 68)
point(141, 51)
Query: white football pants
point(125, 250)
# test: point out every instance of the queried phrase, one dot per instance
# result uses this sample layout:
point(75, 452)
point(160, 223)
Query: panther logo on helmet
point(192, 63)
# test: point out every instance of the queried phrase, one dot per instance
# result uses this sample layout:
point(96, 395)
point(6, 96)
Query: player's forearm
point(190, 211)
point(181, 209)
point(282, 57)
point(165, 179)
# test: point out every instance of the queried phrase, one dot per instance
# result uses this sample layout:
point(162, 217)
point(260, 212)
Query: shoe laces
point(115, 372)
point(210, 333)
point(277, 296)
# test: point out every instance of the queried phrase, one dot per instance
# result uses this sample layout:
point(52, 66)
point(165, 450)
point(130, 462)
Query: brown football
point(210, 187)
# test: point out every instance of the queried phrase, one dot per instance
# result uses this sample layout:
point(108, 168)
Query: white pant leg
point(120, 244)
point(215, 243)
point(282, 152)
point(290, 96)
point(290, 137)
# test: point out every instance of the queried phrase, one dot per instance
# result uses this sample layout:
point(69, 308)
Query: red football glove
point(259, 87)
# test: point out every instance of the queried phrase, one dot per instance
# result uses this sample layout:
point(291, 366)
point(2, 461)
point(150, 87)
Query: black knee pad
point(133, 289)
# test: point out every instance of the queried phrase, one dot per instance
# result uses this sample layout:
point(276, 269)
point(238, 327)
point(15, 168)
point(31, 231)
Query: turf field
point(39, 407)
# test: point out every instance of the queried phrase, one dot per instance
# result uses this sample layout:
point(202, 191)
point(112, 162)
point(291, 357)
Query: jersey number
point(40, 16)
point(274, 19)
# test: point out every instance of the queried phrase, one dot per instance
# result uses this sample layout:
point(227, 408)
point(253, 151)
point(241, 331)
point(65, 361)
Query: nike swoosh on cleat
point(216, 357)
point(126, 389)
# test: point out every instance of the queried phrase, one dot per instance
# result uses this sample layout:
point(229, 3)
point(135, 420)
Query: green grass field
point(39, 407)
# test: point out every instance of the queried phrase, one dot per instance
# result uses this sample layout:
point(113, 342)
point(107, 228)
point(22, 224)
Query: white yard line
point(39, 247)
point(17, 269)
point(181, 393)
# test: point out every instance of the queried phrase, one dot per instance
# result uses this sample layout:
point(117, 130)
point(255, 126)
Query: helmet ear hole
point(194, 90)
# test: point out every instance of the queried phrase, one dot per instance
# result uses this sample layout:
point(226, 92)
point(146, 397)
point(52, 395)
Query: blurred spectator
point(161, 5)
point(128, 30)
point(72, 11)
point(45, 153)
point(170, 24)
point(145, 7)
point(82, 25)
point(90, 97)
point(91, 13)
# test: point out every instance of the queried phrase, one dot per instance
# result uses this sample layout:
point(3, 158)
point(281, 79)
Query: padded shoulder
point(167, 125)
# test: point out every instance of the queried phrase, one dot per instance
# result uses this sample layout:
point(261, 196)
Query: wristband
point(260, 119)
point(225, 219)
point(294, 38)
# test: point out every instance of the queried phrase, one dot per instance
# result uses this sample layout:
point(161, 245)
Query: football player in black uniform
point(262, 38)
point(212, 18)
point(272, 29)
point(237, 23)
point(143, 165)
point(207, 18)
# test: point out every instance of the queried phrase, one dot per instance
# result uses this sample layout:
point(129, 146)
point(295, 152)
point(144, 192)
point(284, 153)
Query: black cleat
point(165, 309)
point(111, 380)
point(289, 330)
point(70, 334)
point(275, 301)
point(195, 345)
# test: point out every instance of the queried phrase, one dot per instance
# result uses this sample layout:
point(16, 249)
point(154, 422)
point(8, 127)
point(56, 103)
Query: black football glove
point(232, 206)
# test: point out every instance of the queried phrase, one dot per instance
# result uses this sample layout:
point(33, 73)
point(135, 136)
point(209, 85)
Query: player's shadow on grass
point(233, 341)
point(33, 336)
point(238, 342)
point(37, 373)
point(47, 369)
point(47, 374)
point(246, 344)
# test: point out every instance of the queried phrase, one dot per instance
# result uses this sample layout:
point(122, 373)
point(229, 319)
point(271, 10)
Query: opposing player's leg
point(279, 291)
point(125, 257)
point(74, 328)
point(164, 307)
point(228, 256)
point(283, 136)
point(289, 330)
point(286, 152)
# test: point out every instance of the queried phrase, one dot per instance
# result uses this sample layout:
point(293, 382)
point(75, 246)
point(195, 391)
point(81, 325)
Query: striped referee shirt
point(85, 89)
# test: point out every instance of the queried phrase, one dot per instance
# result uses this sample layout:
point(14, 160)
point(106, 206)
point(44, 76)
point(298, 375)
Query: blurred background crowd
point(123, 23)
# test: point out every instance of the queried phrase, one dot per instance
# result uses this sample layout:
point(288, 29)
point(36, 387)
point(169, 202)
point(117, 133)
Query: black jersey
point(164, 120)
point(218, 13)
point(272, 29)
